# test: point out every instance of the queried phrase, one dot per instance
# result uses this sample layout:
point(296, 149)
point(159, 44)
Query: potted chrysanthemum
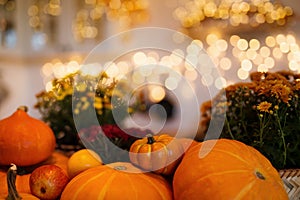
point(77, 95)
point(263, 113)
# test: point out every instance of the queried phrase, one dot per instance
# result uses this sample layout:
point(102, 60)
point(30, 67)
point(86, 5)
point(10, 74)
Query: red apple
point(48, 181)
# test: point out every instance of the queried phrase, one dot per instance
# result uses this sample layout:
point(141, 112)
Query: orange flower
point(282, 92)
point(297, 85)
point(257, 76)
point(264, 106)
point(232, 88)
point(262, 89)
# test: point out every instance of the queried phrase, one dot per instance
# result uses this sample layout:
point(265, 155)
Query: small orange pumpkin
point(120, 180)
point(159, 153)
point(22, 182)
point(226, 169)
point(25, 140)
point(12, 193)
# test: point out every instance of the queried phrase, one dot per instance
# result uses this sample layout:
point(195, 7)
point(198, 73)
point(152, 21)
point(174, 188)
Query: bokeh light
point(253, 12)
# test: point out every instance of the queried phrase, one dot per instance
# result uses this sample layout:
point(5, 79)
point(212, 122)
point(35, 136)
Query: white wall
point(23, 82)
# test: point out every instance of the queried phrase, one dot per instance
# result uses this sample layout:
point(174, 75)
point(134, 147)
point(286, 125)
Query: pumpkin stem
point(150, 138)
point(24, 108)
point(259, 175)
point(11, 183)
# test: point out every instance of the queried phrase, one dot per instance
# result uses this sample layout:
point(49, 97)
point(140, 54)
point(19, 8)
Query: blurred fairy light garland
point(249, 54)
point(89, 16)
point(142, 61)
point(252, 54)
point(38, 11)
point(7, 26)
point(231, 47)
point(236, 12)
point(126, 12)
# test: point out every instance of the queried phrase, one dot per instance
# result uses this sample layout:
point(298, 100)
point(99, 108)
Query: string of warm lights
point(41, 8)
point(126, 12)
point(89, 17)
point(8, 5)
point(168, 69)
point(250, 54)
point(253, 54)
point(236, 12)
point(228, 52)
point(7, 11)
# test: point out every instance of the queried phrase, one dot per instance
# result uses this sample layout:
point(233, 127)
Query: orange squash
point(120, 180)
point(22, 182)
point(25, 140)
point(59, 159)
point(226, 169)
point(159, 153)
point(12, 193)
point(24, 196)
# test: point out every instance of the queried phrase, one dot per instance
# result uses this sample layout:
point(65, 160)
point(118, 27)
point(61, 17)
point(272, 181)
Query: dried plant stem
point(263, 123)
point(243, 118)
point(282, 138)
point(228, 127)
point(261, 129)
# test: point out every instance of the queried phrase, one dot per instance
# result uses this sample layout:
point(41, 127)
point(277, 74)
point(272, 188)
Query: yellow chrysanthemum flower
point(264, 106)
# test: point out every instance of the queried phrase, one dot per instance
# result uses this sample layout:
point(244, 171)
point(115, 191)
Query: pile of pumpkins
point(161, 167)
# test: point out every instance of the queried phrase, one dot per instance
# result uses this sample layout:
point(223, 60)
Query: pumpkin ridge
point(132, 185)
point(144, 153)
point(107, 184)
point(135, 150)
point(233, 155)
point(245, 190)
point(163, 149)
point(83, 185)
point(193, 150)
point(221, 173)
point(155, 186)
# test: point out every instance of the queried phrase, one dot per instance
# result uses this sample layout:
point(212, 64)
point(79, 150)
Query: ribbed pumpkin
point(226, 169)
point(22, 182)
point(25, 140)
point(120, 180)
point(159, 153)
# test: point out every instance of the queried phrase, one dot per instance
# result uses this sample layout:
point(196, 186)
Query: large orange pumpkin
point(118, 180)
point(25, 140)
point(22, 182)
point(226, 169)
point(159, 153)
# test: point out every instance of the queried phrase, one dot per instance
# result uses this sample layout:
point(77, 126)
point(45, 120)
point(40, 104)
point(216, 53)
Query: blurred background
point(45, 39)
